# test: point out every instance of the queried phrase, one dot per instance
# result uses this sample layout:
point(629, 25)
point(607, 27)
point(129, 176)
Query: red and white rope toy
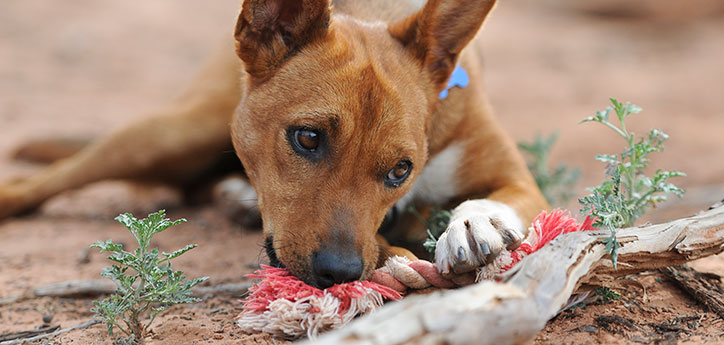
point(284, 306)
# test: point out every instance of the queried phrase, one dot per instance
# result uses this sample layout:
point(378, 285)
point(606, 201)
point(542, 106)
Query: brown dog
point(337, 118)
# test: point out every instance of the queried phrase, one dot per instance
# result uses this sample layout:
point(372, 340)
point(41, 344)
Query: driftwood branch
point(97, 287)
point(515, 309)
point(705, 288)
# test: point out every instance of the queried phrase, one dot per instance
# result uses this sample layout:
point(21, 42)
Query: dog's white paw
point(237, 199)
point(478, 231)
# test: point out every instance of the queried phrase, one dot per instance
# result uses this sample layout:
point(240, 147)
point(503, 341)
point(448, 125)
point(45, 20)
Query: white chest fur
point(437, 183)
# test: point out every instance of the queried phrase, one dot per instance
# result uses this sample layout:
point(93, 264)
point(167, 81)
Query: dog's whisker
point(261, 255)
point(384, 250)
point(240, 200)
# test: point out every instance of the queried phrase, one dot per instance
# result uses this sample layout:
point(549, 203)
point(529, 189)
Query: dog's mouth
point(388, 223)
point(271, 253)
point(331, 268)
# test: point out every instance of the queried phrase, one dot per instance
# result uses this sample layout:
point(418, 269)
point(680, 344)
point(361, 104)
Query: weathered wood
point(97, 287)
point(705, 288)
point(517, 307)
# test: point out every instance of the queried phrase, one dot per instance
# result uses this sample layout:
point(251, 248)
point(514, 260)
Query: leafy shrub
point(557, 184)
point(147, 284)
point(628, 191)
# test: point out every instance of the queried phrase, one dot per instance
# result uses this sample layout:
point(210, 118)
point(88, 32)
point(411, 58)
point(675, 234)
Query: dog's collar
point(458, 78)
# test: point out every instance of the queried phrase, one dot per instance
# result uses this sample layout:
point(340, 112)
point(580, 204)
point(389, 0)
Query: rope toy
point(284, 306)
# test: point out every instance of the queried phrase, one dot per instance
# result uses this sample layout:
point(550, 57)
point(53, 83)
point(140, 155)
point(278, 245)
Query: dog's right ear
point(270, 31)
point(437, 34)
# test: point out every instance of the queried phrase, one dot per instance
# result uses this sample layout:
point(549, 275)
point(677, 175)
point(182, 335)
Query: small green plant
point(557, 184)
point(628, 191)
point(436, 225)
point(146, 282)
point(606, 295)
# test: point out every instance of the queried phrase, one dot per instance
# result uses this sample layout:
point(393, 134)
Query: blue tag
point(458, 78)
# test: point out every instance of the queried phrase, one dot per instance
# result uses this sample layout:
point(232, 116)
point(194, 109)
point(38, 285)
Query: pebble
point(589, 329)
point(84, 256)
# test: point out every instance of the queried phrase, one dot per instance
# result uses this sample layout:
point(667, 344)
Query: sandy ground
point(82, 68)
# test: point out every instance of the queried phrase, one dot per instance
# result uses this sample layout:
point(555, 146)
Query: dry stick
point(230, 289)
point(706, 289)
point(517, 308)
point(26, 334)
point(96, 287)
point(47, 335)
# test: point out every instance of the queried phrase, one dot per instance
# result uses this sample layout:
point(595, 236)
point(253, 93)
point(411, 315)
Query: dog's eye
point(397, 175)
point(307, 139)
point(306, 142)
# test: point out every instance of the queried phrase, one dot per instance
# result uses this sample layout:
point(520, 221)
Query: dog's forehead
point(359, 73)
point(346, 54)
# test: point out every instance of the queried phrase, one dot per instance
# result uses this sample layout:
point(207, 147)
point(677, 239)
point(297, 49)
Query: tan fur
point(339, 71)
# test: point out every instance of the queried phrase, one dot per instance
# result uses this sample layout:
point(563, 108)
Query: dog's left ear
point(438, 33)
point(268, 32)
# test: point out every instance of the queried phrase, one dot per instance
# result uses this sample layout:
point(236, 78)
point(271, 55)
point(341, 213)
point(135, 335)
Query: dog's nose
point(333, 267)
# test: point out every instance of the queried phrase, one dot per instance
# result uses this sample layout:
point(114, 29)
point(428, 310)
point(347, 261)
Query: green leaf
point(169, 256)
point(611, 159)
point(430, 243)
point(436, 225)
point(607, 294)
point(107, 246)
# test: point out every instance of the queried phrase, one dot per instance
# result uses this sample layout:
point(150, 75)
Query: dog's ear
point(439, 31)
point(270, 31)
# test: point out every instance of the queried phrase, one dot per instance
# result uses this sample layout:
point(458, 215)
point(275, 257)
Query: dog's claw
point(460, 254)
point(485, 248)
point(513, 240)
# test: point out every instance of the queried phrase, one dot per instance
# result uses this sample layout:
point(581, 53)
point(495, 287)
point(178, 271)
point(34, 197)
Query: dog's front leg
point(501, 201)
point(387, 251)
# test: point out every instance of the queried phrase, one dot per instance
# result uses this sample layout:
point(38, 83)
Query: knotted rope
point(399, 273)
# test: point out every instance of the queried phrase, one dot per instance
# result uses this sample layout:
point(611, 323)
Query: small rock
point(589, 328)
point(218, 336)
point(47, 318)
point(84, 256)
point(637, 339)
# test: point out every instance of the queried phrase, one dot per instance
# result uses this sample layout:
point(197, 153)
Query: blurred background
point(82, 68)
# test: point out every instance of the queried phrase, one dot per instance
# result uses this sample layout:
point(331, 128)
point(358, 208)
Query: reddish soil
point(82, 68)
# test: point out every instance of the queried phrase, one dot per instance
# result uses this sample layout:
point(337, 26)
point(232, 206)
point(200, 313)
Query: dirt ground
point(82, 68)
